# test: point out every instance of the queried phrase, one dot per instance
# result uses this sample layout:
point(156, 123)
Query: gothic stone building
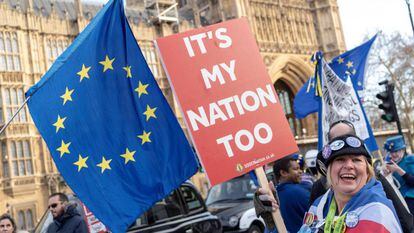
point(34, 32)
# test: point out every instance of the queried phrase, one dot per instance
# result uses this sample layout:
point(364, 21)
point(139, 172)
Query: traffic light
point(388, 104)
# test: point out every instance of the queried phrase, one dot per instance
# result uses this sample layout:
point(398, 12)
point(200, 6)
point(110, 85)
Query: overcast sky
point(365, 17)
point(361, 18)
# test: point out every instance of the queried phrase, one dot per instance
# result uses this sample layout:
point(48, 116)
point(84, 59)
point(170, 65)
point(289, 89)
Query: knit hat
point(342, 145)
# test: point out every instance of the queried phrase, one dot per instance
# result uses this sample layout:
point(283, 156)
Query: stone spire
point(79, 9)
point(53, 10)
point(30, 6)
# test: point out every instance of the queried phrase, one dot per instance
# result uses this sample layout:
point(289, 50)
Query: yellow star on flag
point(350, 64)
point(150, 112)
point(64, 148)
point(67, 96)
point(128, 156)
point(104, 164)
point(145, 137)
point(81, 163)
point(59, 123)
point(141, 89)
point(340, 60)
point(84, 72)
point(128, 71)
point(107, 63)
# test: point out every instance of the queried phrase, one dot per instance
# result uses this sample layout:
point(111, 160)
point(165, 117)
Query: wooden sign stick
point(277, 216)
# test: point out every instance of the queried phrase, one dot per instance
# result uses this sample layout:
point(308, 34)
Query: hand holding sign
point(231, 109)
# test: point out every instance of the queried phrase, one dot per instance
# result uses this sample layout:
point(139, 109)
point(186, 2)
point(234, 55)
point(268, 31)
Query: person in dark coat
point(66, 219)
point(293, 195)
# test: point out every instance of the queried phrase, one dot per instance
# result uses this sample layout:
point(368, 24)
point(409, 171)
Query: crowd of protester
point(339, 190)
point(334, 190)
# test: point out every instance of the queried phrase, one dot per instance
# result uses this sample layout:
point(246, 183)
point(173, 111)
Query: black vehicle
point(182, 211)
point(232, 202)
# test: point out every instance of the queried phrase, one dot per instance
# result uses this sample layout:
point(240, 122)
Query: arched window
point(21, 158)
point(8, 43)
point(2, 53)
point(29, 219)
point(5, 159)
point(2, 46)
point(26, 149)
point(286, 99)
point(9, 52)
point(22, 113)
point(21, 220)
point(19, 150)
point(15, 50)
point(13, 150)
point(27, 155)
point(4, 150)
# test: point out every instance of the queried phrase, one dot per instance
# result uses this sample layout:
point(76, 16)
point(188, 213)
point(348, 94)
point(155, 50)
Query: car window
point(168, 207)
point(141, 221)
point(240, 188)
point(191, 198)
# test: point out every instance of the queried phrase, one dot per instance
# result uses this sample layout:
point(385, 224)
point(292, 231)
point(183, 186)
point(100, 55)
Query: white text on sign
point(225, 41)
point(226, 108)
point(216, 73)
point(249, 136)
point(232, 106)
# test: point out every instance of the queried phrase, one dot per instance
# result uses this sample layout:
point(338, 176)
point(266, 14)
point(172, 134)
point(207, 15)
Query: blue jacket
point(407, 164)
point(294, 202)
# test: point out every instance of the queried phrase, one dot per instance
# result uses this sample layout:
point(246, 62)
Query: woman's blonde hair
point(370, 171)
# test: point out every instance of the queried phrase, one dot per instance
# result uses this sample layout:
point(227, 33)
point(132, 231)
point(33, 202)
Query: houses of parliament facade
point(33, 33)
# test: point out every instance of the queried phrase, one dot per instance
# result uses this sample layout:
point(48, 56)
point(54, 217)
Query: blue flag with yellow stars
point(350, 63)
point(108, 127)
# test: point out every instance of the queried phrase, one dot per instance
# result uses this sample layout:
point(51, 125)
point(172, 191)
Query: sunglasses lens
point(53, 206)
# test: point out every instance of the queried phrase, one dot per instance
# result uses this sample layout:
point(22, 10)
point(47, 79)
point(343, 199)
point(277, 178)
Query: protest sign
point(229, 104)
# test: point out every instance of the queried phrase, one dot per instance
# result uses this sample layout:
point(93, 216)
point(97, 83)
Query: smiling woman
point(356, 201)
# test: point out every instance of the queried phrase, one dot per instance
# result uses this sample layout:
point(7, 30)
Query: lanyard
point(338, 225)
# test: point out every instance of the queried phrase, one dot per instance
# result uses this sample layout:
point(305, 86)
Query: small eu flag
point(108, 126)
point(351, 63)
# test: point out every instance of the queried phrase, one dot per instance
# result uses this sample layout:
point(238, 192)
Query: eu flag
point(351, 63)
point(108, 126)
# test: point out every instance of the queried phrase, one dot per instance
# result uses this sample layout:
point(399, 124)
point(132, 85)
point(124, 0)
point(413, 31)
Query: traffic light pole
point(390, 89)
point(388, 104)
point(409, 13)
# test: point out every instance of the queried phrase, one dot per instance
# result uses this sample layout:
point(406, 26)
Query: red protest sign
point(230, 106)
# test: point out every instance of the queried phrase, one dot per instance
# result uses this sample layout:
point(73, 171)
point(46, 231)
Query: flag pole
point(15, 114)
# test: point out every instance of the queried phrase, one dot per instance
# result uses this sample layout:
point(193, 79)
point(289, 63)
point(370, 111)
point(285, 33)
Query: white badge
point(337, 145)
point(351, 219)
point(354, 142)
